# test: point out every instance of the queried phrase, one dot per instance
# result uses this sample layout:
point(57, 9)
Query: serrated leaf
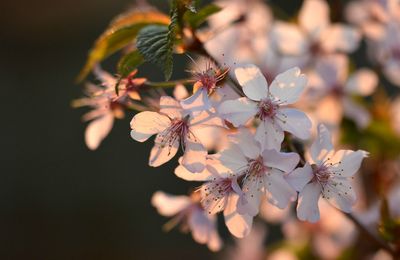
point(154, 44)
point(121, 32)
point(129, 62)
point(196, 19)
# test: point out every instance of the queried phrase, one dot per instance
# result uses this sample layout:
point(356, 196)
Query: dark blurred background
point(58, 200)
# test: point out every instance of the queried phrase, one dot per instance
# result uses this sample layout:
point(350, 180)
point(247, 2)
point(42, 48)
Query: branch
point(377, 240)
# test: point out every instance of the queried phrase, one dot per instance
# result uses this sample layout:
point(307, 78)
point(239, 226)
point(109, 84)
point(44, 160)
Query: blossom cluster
point(258, 134)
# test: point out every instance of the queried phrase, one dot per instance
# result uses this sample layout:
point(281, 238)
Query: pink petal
point(171, 107)
point(285, 162)
point(322, 147)
point(238, 225)
point(169, 205)
point(146, 124)
point(278, 190)
point(254, 84)
point(97, 130)
point(350, 162)
point(314, 16)
point(300, 177)
point(363, 82)
point(194, 158)
point(163, 151)
point(340, 194)
point(288, 86)
point(238, 111)
point(340, 38)
point(307, 207)
point(269, 135)
point(295, 122)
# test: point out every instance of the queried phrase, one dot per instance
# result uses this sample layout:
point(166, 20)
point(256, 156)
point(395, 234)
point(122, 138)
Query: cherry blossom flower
point(261, 172)
point(327, 175)
point(315, 35)
point(269, 105)
point(220, 193)
point(205, 86)
point(331, 91)
point(188, 212)
point(174, 126)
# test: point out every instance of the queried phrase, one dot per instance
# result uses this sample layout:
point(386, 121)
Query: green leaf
point(156, 43)
point(198, 18)
point(121, 32)
point(129, 62)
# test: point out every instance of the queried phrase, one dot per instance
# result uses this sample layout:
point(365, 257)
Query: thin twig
point(379, 242)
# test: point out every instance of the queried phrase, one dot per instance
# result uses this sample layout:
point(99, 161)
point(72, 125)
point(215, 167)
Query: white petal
point(197, 102)
point(363, 82)
point(294, 121)
point(340, 38)
point(146, 124)
point(106, 78)
point(300, 177)
point(194, 158)
point(322, 146)
point(269, 135)
point(356, 112)
point(238, 225)
point(347, 162)
point(254, 84)
point(288, 86)
point(278, 190)
point(340, 194)
point(244, 139)
point(233, 158)
point(163, 151)
point(180, 92)
point(171, 107)
point(214, 242)
point(201, 225)
point(97, 130)
point(285, 162)
point(238, 111)
point(314, 16)
point(169, 205)
point(307, 207)
point(187, 175)
point(253, 188)
point(288, 39)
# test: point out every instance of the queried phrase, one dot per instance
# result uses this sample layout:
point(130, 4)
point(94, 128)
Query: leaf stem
point(169, 84)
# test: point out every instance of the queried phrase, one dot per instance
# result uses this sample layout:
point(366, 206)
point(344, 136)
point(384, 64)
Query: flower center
point(177, 131)
point(213, 194)
point(256, 166)
point(267, 109)
point(321, 174)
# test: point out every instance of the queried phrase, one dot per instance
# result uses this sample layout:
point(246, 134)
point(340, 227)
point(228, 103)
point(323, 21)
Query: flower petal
point(202, 225)
point(363, 82)
point(171, 107)
point(285, 162)
point(194, 158)
point(244, 139)
point(288, 39)
point(169, 205)
point(164, 149)
point(146, 124)
point(269, 135)
point(347, 162)
point(288, 86)
point(180, 92)
point(314, 16)
point(97, 130)
point(238, 111)
point(356, 112)
point(197, 102)
point(187, 175)
point(300, 177)
point(254, 84)
point(238, 225)
point(278, 190)
point(340, 38)
point(233, 158)
point(307, 206)
point(340, 194)
point(294, 121)
point(322, 147)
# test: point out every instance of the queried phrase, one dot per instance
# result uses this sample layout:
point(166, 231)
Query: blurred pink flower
point(188, 212)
